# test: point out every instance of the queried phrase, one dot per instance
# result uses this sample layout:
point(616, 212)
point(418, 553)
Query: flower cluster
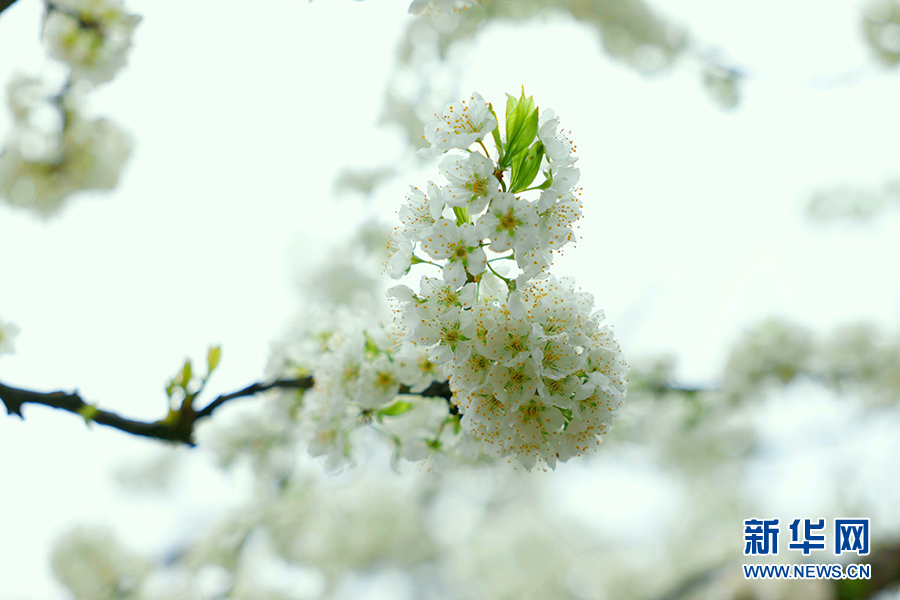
point(91, 36)
point(533, 373)
point(881, 21)
point(53, 150)
point(365, 380)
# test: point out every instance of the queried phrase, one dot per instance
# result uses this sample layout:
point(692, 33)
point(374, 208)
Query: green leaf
point(521, 126)
point(88, 411)
point(397, 408)
point(186, 374)
point(371, 350)
point(212, 359)
point(525, 167)
point(547, 181)
point(512, 106)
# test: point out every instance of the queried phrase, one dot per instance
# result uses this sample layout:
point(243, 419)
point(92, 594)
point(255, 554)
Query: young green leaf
point(212, 359)
point(88, 411)
point(521, 126)
point(186, 374)
point(525, 167)
point(397, 408)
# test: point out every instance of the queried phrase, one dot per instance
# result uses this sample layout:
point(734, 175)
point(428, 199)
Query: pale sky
point(694, 222)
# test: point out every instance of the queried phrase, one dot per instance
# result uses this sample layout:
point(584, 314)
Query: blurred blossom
point(361, 181)
point(91, 36)
point(8, 333)
point(349, 275)
point(372, 518)
point(652, 374)
point(854, 203)
point(858, 359)
point(723, 85)
point(210, 582)
point(629, 30)
point(263, 432)
point(262, 574)
point(428, 8)
point(773, 352)
point(730, 583)
point(44, 163)
point(93, 565)
point(881, 21)
point(861, 357)
point(155, 474)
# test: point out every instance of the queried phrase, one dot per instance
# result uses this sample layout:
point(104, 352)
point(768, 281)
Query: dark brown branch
point(178, 430)
point(437, 389)
point(303, 383)
point(15, 398)
point(4, 4)
point(181, 428)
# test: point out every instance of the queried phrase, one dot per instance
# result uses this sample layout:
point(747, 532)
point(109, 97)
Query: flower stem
point(483, 147)
point(498, 274)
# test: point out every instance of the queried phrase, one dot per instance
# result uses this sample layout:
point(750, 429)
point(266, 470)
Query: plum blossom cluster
point(365, 381)
point(533, 373)
point(54, 149)
point(92, 37)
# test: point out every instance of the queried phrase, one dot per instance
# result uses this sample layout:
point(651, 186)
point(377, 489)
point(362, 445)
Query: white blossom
point(400, 252)
point(459, 245)
point(460, 125)
point(557, 146)
point(421, 211)
point(472, 182)
point(510, 223)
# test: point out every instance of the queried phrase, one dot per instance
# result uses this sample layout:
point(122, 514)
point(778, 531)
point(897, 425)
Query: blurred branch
point(179, 425)
point(4, 4)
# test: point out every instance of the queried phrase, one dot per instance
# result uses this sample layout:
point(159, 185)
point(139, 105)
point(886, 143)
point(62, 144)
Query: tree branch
point(303, 383)
point(4, 4)
point(437, 389)
point(181, 428)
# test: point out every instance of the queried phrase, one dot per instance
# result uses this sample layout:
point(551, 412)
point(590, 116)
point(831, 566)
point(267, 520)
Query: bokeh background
point(741, 231)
